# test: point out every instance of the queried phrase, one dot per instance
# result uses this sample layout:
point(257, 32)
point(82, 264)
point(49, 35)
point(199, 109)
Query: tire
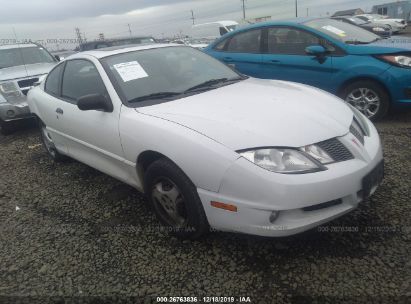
point(48, 144)
point(7, 128)
point(175, 200)
point(368, 97)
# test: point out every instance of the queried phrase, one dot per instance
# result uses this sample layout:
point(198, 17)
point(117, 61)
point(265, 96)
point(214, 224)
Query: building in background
point(398, 9)
point(350, 12)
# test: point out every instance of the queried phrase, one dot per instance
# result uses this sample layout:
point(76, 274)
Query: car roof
point(290, 22)
point(221, 23)
point(14, 46)
point(114, 50)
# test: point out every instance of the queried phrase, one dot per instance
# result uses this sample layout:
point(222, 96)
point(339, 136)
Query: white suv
point(21, 65)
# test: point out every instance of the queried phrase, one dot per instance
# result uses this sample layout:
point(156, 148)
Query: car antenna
point(21, 51)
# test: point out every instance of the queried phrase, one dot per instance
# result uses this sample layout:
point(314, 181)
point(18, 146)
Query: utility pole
point(243, 8)
point(296, 9)
point(78, 34)
point(129, 28)
point(192, 16)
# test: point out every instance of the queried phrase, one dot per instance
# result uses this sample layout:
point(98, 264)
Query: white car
point(395, 25)
point(208, 146)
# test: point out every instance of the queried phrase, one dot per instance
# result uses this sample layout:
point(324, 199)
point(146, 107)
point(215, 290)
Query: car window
point(81, 78)
point(53, 80)
point(220, 46)
point(245, 42)
point(363, 18)
point(343, 32)
point(12, 57)
point(290, 41)
point(165, 69)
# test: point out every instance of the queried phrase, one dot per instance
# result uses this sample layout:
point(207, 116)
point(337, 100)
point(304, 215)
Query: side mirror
point(315, 50)
point(94, 102)
point(57, 57)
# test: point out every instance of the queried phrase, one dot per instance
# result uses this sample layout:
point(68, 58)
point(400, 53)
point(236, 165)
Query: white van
point(212, 30)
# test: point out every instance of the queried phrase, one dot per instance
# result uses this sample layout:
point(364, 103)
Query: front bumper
point(257, 193)
point(398, 82)
point(13, 112)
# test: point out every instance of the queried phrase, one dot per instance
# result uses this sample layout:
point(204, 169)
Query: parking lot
point(69, 231)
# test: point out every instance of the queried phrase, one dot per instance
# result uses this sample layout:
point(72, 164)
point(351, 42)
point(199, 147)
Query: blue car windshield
point(344, 32)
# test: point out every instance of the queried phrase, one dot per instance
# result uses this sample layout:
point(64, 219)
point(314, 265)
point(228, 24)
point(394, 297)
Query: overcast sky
point(49, 19)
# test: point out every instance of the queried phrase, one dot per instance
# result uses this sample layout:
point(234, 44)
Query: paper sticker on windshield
point(130, 71)
point(334, 30)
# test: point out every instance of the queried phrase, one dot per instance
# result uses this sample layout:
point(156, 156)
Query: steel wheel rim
point(169, 202)
point(365, 100)
point(48, 142)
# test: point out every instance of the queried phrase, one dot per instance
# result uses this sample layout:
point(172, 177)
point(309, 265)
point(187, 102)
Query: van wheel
point(368, 97)
point(49, 145)
point(175, 200)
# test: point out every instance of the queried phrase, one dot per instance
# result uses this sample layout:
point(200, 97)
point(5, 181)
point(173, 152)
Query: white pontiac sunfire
point(208, 146)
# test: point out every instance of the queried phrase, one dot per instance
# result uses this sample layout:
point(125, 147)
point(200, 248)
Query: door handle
point(228, 59)
point(274, 61)
point(59, 111)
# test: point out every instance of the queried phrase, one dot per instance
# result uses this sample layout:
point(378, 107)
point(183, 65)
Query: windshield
point(344, 32)
point(161, 73)
point(357, 21)
point(24, 55)
point(231, 28)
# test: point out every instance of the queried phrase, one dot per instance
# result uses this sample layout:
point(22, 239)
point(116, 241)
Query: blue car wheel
point(368, 97)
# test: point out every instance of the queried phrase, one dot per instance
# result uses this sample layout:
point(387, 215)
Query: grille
point(335, 149)
point(356, 130)
point(27, 82)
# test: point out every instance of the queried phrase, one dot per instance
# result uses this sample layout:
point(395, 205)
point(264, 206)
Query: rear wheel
point(49, 144)
point(368, 97)
point(175, 200)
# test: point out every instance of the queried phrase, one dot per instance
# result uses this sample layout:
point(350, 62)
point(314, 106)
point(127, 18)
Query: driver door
point(285, 58)
point(91, 136)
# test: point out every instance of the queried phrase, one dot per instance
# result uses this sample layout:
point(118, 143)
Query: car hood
point(395, 44)
point(28, 70)
point(257, 113)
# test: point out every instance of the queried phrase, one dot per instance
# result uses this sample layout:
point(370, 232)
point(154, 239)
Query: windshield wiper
point(357, 42)
point(208, 83)
point(159, 95)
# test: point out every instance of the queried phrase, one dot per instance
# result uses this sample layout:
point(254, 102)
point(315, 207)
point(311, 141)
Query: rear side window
point(81, 78)
point(52, 85)
point(245, 42)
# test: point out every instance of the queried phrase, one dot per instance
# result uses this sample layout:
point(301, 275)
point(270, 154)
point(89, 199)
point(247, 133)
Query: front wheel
point(175, 200)
point(6, 128)
point(368, 97)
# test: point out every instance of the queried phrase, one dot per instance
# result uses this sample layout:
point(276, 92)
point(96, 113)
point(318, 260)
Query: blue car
point(371, 73)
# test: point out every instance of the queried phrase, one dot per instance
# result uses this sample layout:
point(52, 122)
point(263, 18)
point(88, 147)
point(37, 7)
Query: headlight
point(399, 60)
point(318, 153)
point(378, 29)
point(282, 160)
point(9, 89)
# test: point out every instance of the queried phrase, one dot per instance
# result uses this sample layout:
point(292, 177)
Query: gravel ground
point(80, 235)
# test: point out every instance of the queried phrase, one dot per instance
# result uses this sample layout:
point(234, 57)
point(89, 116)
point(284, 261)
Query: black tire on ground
point(48, 144)
point(189, 206)
point(6, 128)
point(374, 88)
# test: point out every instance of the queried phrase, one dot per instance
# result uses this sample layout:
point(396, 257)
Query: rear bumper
point(12, 112)
point(304, 201)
